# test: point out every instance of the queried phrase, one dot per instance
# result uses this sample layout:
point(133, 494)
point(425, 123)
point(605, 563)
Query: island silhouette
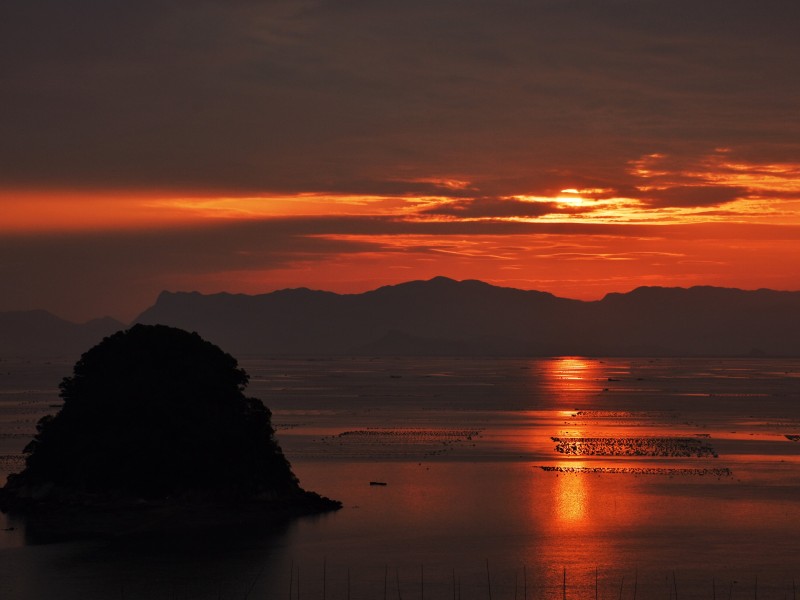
point(155, 424)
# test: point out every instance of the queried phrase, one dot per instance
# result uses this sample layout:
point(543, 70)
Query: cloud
point(691, 196)
point(403, 100)
point(713, 178)
point(487, 208)
point(274, 96)
point(90, 275)
point(87, 275)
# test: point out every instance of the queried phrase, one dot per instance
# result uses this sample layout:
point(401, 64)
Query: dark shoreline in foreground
point(103, 518)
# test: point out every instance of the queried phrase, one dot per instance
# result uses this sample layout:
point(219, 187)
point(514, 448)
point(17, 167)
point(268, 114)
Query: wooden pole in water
point(564, 585)
point(422, 582)
point(516, 581)
point(385, 580)
point(253, 584)
point(324, 577)
point(713, 589)
point(794, 591)
point(621, 583)
point(397, 578)
point(635, 582)
point(454, 584)
point(348, 583)
point(298, 582)
point(675, 584)
point(595, 583)
point(524, 583)
point(755, 591)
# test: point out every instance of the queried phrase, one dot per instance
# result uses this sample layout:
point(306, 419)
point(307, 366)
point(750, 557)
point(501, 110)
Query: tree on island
point(156, 414)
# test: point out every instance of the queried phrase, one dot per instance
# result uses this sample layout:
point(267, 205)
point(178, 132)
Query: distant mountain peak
point(41, 333)
point(441, 315)
point(441, 279)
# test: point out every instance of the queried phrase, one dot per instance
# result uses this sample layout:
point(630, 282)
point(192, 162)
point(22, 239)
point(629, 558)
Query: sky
point(578, 147)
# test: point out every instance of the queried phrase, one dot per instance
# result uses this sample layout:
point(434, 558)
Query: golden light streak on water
point(571, 496)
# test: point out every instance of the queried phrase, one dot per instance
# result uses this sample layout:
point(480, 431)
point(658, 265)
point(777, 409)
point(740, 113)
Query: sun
point(571, 197)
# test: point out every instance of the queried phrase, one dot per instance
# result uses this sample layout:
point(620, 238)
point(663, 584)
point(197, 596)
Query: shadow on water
point(213, 562)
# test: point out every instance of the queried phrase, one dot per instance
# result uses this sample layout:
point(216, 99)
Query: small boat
point(377, 483)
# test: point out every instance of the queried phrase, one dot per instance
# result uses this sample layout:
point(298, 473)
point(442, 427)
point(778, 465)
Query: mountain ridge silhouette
point(41, 333)
point(443, 316)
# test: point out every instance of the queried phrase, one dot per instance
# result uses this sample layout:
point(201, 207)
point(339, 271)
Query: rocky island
point(155, 432)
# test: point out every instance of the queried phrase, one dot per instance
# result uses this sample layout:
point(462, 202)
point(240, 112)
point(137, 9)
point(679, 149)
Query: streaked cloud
point(481, 208)
point(692, 195)
point(577, 146)
point(80, 276)
point(515, 97)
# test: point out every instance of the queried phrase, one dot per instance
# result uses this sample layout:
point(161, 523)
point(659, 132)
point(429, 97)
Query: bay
point(478, 498)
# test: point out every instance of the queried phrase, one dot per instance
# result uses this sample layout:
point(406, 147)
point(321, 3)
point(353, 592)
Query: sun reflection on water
point(571, 497)
point(570, 367)
point(571, 374)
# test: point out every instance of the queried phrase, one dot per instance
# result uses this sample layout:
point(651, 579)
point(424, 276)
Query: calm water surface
point(468, 506)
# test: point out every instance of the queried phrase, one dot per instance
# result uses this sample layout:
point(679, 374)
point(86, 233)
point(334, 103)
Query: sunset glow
point(571, 244)
point(517, 282)
point(286, 154)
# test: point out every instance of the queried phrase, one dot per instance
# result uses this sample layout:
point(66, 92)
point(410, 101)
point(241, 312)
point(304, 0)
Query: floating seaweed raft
point(626, 417)
point(634, 446)
point(623, 414)
point(398, 442)
point(413, 434)
point(722, 472)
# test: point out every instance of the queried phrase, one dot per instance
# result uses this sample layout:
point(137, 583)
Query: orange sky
point(578, 150)
point(576, 243)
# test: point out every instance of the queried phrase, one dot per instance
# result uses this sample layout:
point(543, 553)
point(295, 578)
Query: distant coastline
point(444, 317)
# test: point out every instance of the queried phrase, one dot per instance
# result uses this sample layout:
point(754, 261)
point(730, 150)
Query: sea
point(473, 478)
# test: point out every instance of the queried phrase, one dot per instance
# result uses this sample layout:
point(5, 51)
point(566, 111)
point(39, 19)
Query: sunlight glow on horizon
point(741, 229)
point(741, 192)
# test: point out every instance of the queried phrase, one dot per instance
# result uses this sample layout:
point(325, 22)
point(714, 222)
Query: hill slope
point(443, 316)
point(40, 333)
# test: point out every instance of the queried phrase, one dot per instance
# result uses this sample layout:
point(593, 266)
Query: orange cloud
point(69, 211)
point(75, 211)
point(717, 179)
